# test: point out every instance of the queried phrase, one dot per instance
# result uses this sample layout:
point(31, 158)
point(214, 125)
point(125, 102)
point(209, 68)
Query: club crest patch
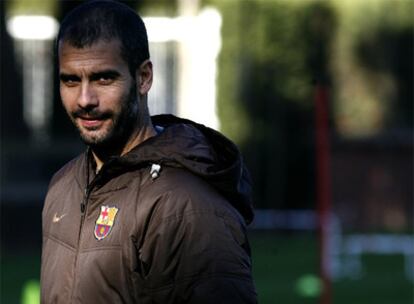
point(105, 221)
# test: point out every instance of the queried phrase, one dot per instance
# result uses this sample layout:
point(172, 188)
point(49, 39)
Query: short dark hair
point(107, 20)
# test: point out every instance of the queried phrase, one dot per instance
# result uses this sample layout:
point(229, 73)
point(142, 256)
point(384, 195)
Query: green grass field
point(284, 270)
point(280, 262)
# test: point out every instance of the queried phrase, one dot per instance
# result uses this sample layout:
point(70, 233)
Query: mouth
point(90, 123)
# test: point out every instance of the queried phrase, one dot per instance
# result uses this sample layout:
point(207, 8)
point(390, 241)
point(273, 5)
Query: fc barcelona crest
point(105, 221)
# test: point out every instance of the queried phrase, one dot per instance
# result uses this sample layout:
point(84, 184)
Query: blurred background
point(317, 94)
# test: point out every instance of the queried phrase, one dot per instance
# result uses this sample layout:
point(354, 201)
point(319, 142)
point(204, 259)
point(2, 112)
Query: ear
point(143, 77)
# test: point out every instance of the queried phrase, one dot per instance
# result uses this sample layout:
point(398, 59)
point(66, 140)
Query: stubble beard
point(119, 131)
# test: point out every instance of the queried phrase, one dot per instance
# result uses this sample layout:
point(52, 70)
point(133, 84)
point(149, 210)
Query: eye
point(69, 80)
point(105, 80)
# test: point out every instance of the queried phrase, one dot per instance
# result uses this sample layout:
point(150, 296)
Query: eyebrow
point(65, 77)
point(112, 74)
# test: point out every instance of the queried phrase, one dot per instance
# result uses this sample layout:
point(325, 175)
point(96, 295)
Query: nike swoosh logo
point(57, 218)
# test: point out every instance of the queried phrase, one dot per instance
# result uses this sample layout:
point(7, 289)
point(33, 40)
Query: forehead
point(100, 53)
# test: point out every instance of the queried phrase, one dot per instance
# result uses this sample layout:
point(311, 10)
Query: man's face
point(98, 92)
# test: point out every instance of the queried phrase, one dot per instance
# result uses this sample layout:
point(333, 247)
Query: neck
point(140, 134)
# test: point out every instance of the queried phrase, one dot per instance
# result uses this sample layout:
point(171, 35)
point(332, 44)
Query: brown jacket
point(129, 235)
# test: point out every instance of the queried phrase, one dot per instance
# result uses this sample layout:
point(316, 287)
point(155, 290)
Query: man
point(155, 211)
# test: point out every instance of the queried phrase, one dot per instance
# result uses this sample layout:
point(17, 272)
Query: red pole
point(323, 187)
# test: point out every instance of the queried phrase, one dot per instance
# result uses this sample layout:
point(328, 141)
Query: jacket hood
point(200, 150)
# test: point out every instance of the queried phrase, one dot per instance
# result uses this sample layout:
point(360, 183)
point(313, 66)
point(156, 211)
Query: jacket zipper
point(83, 209)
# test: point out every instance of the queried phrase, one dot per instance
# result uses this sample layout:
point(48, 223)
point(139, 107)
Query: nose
point(87, 96)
